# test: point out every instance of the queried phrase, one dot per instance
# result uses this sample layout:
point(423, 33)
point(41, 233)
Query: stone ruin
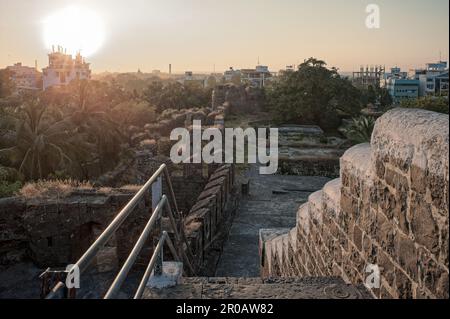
point(240, 99)
point(304, 150)
point(389, 208)
point(56, 230)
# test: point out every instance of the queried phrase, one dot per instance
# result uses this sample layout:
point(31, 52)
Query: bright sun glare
point(75, 29)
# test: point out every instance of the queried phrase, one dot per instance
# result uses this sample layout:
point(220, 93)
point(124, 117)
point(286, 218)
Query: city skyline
point(197, 36)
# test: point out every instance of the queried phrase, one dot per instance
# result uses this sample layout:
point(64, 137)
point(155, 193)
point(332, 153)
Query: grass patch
point(52, 188)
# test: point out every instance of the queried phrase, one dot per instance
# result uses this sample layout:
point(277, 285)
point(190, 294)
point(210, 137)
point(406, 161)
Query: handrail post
point(158, 271)
point(171, 192)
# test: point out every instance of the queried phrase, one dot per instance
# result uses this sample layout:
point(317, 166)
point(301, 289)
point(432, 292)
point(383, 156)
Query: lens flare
point(75, 29)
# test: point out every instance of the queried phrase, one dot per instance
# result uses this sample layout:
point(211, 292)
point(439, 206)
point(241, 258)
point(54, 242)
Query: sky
point(207, 35)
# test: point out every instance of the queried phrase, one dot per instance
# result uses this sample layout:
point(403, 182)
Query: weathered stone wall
point(304, 150)
point(206, 217)
point(240, 99)
point(55, 232)
point(314, 166)
point(389, 208)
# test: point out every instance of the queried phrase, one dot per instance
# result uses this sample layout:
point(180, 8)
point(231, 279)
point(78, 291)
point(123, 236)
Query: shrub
point(8, 189)
point(360, 129)
point(430, 103)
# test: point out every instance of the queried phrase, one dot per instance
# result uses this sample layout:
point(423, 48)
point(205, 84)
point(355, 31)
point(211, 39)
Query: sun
point(75, 29)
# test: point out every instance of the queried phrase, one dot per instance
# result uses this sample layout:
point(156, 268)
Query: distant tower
point(35, 64)
point(170, 69)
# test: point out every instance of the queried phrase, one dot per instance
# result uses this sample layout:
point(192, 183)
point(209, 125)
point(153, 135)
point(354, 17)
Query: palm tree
point(42, 144)
point(94, 121)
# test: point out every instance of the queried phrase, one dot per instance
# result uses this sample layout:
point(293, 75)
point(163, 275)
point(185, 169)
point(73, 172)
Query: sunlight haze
point(205, 35)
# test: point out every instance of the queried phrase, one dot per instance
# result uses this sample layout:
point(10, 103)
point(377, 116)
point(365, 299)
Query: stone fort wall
point(389, 208)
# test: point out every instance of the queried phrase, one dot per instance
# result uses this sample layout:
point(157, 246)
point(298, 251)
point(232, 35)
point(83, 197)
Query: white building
point(25, 77)
point(63, 69)
point(434, 79)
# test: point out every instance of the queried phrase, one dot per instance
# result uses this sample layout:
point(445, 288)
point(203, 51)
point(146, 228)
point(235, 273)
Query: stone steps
point(257, 288)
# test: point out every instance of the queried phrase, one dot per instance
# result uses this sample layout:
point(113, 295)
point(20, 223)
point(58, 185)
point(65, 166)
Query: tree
point(92, 119)
point(174, 95)
point(6, 85)
point(376, 94)
point(313, 94)
point(43, 145)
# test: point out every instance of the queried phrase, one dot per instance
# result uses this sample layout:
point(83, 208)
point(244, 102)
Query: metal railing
point(156, 260)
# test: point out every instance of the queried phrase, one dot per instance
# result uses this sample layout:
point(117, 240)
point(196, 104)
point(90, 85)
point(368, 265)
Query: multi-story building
point(434, 79)
point(256, 77)
point(396, 73)
point(63, 69)
point(193, 79)
point(232, 75)
point(401, 89)
point(369, 76)
point(25, 77)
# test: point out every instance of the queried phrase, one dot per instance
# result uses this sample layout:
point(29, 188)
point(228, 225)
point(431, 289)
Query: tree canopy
point(314, 94)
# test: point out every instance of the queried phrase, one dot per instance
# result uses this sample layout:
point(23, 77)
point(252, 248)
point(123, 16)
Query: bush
point(360, 129)
point(8, 189)
point(430, 103)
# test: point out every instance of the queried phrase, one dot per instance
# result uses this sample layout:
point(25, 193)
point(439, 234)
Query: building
point(370, 76)
point(401, 89)
point(25, 77)
point(395, 73)
point(434, 79)
point(192, 79)
point(232, 76)
point(63, 69)
point(256, 77)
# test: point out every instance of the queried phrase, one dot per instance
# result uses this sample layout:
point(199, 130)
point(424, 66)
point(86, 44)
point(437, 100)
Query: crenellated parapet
point(387, 212)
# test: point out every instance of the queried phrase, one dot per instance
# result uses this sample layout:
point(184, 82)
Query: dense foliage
point(360, 129)
point(313, 94)
point(175, 95)
point(65, 133)
point(6, 86)
point(430, 103)
point(376, 94)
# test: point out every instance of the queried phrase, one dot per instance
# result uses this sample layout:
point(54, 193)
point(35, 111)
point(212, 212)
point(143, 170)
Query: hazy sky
point(198, 34)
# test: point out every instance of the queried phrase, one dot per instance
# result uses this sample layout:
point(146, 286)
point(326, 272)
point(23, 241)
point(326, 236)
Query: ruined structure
point(304, 150)
point(389, 208)
point(240, 99)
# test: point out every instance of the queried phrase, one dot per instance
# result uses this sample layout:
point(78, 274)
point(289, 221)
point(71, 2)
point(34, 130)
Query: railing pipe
point(101, 241)
point(122, 275)
point(178, 238)
point(56, 290)
point(150, 266)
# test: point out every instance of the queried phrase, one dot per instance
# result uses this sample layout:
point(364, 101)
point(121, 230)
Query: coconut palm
point(43, 145)
point(92, 118)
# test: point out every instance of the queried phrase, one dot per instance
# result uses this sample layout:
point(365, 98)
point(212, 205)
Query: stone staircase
point(386, 216)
